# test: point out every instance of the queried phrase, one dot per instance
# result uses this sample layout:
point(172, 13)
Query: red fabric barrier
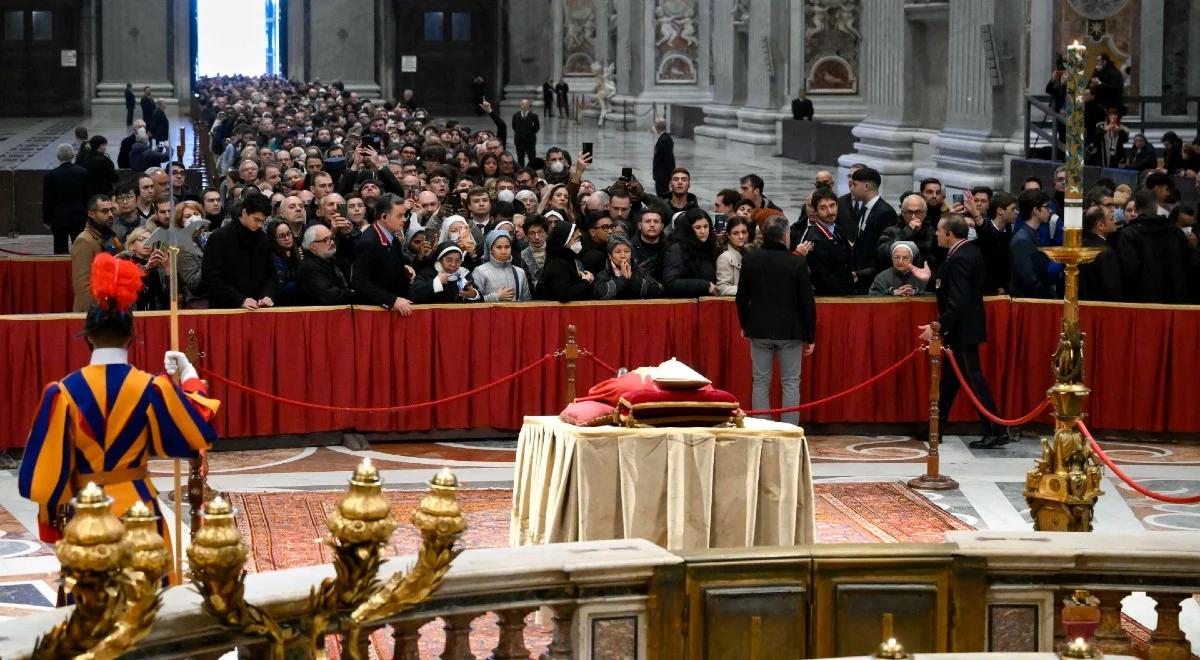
point(1145, 364)
point(36, 285)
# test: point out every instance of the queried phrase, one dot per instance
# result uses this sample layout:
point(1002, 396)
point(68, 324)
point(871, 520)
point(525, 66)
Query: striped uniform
point(110, 418)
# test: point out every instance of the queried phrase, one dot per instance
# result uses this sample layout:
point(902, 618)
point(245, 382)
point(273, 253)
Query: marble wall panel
point(831, 46)
point(676, 42)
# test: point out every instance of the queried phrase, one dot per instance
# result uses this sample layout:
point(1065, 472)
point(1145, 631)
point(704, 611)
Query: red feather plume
point(116, 283)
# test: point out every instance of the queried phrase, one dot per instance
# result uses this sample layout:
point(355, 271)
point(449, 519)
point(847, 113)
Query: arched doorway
point(442, 45)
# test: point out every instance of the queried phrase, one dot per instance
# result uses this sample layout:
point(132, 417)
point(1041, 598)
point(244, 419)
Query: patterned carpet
point(282, 530)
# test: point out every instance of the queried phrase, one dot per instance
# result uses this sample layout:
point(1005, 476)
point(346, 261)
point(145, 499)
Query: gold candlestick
point(1064, 485)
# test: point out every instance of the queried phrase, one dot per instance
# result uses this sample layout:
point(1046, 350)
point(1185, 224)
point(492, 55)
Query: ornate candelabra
point(1064, 485)
point(360, 527)
point(113, 572)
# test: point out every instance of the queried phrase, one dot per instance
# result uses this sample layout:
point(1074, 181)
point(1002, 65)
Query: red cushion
point(704, 407)
point(587, 413)
point(611, 390)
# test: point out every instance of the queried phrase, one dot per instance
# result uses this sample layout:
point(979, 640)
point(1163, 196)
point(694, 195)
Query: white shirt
point(110, 356)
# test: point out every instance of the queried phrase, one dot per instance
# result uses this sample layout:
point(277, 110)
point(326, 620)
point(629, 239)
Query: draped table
point(682, 488)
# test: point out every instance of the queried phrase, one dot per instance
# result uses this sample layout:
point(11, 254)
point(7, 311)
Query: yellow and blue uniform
point(102, 424)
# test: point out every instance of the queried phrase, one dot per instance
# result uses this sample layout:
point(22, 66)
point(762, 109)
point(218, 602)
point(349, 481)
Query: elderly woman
point(456, 230)
point(447, 280)
point(620, 277)
point(729, 262)
point(899, 280)
point(499, 279)
point(153, 263)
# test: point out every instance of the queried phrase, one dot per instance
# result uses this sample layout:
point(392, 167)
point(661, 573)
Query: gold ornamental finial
point(363, 514)
point(445, 478)
point(365, 473)
point(145, 550)
point(92, 538)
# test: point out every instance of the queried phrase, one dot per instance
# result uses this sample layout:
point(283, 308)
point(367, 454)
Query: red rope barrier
point(409, 406)
point(1033, 414)
point(1126, 478)
point(870, 381)
point(600, 363)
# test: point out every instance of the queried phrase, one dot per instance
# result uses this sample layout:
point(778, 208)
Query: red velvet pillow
point(707, 406)
point(610, 391)
point(587, 413)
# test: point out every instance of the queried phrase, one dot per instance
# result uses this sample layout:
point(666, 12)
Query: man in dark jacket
point(381, 274)
point(778, 315)
point(130, 101)
point(147, 103)
point(127, 145)
point(1029, 277)
point(102, 176)
point(959, 287)
point(649, 245)
point(1153, 255)
point(64, 199)
point(159, 126)
point(847, 218)
point(237, 268)
point(829, 261)
point(994, 234)
point(874, 216)
point(1100, 279)
point(525, 126)
point(321, 282)
point(664, 158)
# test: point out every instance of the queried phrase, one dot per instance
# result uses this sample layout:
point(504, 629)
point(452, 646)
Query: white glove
point(175, 362)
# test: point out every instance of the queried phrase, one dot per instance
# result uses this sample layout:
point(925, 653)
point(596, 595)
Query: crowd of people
point(326, 198)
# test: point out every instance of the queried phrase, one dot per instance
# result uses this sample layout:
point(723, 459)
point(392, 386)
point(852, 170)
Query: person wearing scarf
point(447, 280)
point(457, 231)
point(621, 277)
point(416, 247)
point(533, 257)
point(563, 277)
point(899, 280)
point(499, 279)
point(96, 238)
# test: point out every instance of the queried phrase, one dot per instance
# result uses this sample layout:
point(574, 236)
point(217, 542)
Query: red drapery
point(1139, 360)
point(35, 285)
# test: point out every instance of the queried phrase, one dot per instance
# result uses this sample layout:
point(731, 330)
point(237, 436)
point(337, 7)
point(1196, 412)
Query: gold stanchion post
point(933, 479)
point(571, 353)
point(1064, 485)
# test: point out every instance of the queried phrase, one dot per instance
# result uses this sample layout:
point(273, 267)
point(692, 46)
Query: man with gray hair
point(321, 282)
point(778, 314)
point(64, 199)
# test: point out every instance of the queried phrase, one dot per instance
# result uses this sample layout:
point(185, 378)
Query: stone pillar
point(767, 37)
point(342, 44)
point(981, 116)
point(885, 135)
point(1149, 61)
point(297, 41)
point(729, 28)
point(530, 60)
point(136, 45)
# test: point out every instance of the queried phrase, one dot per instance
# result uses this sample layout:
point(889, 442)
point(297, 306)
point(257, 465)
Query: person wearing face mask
point(499, 279)
point(563, 277)
point(97, 237)
point(447, 280)
point(456, 230)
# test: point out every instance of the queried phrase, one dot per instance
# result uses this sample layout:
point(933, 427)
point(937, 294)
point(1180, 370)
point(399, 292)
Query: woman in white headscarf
point(456, 230)
point(899, 280)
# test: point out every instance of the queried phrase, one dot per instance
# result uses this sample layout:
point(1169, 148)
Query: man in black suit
point(829, 259)
point(159, 126)
point(802, 107)
point(874, 215)
point(64, 199)
point(959, 286)
point(381, 275)
point(664, 158)
point(525, 125)
point(130, 102)
point(147, 103)
point(778, 315)
point(848, 208)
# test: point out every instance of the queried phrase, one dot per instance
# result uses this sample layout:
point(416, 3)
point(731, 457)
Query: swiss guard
point(102, 424)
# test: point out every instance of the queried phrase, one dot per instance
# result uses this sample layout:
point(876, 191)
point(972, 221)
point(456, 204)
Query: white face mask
point(557, 167)
point(576, 247)
point(453, 236)
point(506, 195)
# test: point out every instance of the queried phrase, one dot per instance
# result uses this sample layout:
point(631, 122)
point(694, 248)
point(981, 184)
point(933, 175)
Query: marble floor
point(989, 494)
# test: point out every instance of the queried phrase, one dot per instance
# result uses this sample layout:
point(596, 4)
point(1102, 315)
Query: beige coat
point(729, 271)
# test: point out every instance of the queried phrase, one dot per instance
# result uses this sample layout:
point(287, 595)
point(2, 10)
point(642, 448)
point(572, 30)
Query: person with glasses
point(285, 257)
point(600, 227)
point(318, 279)
point(1030, 277)
point(125, 218)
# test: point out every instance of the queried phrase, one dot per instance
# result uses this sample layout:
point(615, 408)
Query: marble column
point(885, 135)
point(981, 115)
point(1149, 61)
point(297, 40)
point(530, 62)
point(731, 73)
point(766, 36)
point(137, 44)
point(342, 44)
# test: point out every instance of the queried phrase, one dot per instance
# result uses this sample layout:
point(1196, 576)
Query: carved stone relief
point(676, 44)
point(831, 46)
point(579, 37)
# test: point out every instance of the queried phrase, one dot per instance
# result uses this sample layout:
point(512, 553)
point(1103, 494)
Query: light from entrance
point(237, 37)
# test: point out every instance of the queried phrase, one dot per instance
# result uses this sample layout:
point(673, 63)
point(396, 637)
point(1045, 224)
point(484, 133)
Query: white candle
point(1074, 217)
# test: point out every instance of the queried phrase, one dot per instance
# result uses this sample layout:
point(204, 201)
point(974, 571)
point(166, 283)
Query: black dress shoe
point(990, 442)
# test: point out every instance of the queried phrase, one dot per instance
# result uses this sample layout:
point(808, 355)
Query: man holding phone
point(525, 125)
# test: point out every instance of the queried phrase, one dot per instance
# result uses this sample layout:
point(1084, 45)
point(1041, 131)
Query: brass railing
point(980, 591)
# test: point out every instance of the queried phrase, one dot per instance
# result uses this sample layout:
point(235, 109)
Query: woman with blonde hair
point(556, 198)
